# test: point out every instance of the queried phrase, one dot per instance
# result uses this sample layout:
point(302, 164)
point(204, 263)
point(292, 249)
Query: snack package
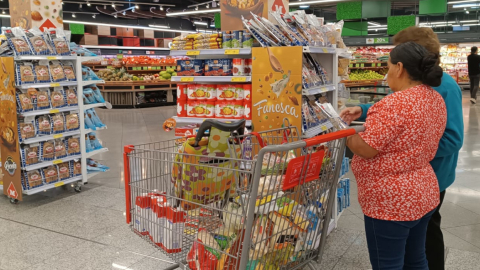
point(58, 98)
point(95, 119)
point(58, 41)
point(33, 94)
point(60, 149)
point(33, 178)
point(27, 129)
point(47, 150)
point(72, 122)
point(95, 166)
point(72, 99)
point(58, 123)
point(88, 144)
point(64, 170)
point(37, 42)
point(88, 122)
point(56, 70)
point(43, 99)
point(89, 96)
point(29, 154)
point(50, 174)
point(80, 51)
point(205, 252)
point(94, 141)
point(69, 70)
point(17, 40)
point(89, 75)
point(24, 102)
point(96, 93)
point(232, 217)
point(73, 145)
point(43, 124)
point(270, 184)
point(24, 73)
point(41, 72)
point(76, 167)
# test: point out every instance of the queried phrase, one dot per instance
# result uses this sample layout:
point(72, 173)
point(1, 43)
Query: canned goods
point(237, 39)
point(247, 91)
point(191, 88)
point(227, 39)
point(181, 92)
point(238, 67)
point(247, 40)
point(239, 92)
point(247, 70)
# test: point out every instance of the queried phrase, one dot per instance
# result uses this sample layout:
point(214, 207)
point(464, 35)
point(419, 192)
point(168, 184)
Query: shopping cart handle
point(238, 126)
point(334, 136)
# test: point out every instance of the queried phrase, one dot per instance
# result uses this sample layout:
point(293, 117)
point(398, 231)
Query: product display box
point(89, 40)
point(144, 33)
point(98, 30)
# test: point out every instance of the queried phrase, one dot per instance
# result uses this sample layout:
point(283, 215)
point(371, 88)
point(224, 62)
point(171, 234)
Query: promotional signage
point(276, 87)
point(233, 10)
point(36, 13)
point(385, 40)
point(9, 147)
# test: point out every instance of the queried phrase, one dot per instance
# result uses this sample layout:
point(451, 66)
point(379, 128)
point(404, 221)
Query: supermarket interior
point(170, 134)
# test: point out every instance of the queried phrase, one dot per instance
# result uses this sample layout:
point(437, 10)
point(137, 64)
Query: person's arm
point(360, 148)
point(452, 138)
point(365, 108)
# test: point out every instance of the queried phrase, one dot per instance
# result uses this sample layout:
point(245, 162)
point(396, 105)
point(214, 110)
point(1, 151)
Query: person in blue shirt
point(445, 160)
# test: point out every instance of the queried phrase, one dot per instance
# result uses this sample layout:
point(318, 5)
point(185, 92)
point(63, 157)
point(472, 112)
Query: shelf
point(96, 105)
point(327, 50)
point(194, 120)
point(232, 51)
point(126, 48)
point(89, 58)
point(85, 83)
point(314, 131)
point(43, 112)
point(52, 185)
point(50, 163)
point(51, 137)
point(88, 130)
point(50, 84)
point(45, 57)
point(211, 79)
point(319, 89)
point(95, 152)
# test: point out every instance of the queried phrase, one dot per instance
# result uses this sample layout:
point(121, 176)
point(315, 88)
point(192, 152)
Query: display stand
point(12, 153)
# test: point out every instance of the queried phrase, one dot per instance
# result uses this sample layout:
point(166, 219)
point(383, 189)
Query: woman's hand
point(351, 114)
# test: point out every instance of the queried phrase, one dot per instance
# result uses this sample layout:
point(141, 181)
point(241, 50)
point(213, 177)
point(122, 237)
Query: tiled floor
point(61, 229)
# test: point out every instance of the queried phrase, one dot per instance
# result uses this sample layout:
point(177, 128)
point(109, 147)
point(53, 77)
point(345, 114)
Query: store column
point(36, 13)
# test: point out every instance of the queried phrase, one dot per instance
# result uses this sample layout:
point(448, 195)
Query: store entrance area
point(61, 229)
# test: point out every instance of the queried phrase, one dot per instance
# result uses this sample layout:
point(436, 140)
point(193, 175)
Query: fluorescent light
point(376, 26)
point(212, 25)
point(88, 4)
point(383, 28)
point(300, 3)
point(466, 5)
point(4, 16)
point(159, 26)
point(201, 23)
point(374, 23)
point(304, 6)
point(193, 12)
point(463, 1)
point(130, 26)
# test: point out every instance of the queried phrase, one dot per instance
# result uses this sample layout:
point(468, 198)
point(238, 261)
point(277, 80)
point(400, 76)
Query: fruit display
point(114, 74)
point(147, 60)
point(361, 74)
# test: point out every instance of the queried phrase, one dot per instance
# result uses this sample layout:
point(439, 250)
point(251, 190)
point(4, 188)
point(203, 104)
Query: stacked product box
point(225, 101)
point(343, 195)
point(237, 39)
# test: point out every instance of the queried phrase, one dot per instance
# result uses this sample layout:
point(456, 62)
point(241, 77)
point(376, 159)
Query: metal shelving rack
point(76, 181)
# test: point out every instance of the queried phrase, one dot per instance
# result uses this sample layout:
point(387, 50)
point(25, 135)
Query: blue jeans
point(397, 245)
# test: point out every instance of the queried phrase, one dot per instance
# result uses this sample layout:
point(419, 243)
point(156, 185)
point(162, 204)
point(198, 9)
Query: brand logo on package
point(10, 166)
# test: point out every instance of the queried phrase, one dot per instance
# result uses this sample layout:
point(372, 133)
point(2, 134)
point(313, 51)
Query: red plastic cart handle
point(330, 137)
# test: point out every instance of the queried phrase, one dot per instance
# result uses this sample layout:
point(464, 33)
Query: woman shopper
point(445, 161)
point(397, 187)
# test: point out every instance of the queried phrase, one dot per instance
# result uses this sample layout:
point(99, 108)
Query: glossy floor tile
point(61, 229)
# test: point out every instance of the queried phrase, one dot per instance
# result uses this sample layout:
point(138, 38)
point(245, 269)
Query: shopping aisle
point(60, 229)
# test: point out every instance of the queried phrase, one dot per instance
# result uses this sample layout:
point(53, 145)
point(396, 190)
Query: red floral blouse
point(398, 183)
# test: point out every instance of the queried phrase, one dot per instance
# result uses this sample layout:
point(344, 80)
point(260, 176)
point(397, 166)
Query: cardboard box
point(124, 32)
point(186, 131)
point(144, 33)
point(89, 40)
point(163, 43)
point(100, 30)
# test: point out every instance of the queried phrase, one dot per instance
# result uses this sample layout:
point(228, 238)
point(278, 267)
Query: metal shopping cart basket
point(273, 213)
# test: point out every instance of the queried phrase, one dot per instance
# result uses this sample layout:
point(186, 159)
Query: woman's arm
point(360, 148)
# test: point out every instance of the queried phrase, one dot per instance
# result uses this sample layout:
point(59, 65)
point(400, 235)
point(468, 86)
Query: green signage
point(381, 40)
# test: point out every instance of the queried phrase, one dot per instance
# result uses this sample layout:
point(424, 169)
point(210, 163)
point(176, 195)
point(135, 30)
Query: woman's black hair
point(420, 64)
point(474, 49)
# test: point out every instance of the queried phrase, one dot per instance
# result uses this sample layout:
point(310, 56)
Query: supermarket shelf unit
point(76, 181)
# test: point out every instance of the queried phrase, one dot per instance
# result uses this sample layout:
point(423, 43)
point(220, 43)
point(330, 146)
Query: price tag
point(324, 128)
point(54, 84)
point(1, 183)
point(51, 57)
point(109, 67)
point(373, 64)
point(325, 50)
point(193, 52)
point(232, 51)
point(54, 111)
point(59, 184)
point(119, 56)
point(58, 161)
point(103, 63)
point(57, 136)
point(239, 79)
point(186, 79)
point(362, 65)
point(323, 89)
point(142, 86)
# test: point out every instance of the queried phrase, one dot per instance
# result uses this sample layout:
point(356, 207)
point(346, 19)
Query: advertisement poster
point(232, 11)
point(10, 170)
point(276, 87)
point(36, 13)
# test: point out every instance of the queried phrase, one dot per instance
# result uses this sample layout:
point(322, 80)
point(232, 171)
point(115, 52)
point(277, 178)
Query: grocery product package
point(24, 73)
point(50, 174)
point(24, 102)
point(37, 42)
point(43, 124)
point(43, 99)
point(97, 94)
point(88, 122)
point(17, 40)
point(80, 51)
point(73, 146)
point(88, 144)
point(47, 150)
point(89, 96)
point(72, 98)
point(69, 70)
point(205, 252)
point(58, 123)
point(30, 154)
point(95, 119)
point(27, 128)
point(60, 148)
point(93, 165)
point(57, 97)
point(64, 171)
point(56, 71)
point(88, 74)
point(42, 72)
point(72, 121)
point(94, 141)
point(58, 41)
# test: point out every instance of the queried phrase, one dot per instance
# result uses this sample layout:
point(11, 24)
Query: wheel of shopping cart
point(13, 201)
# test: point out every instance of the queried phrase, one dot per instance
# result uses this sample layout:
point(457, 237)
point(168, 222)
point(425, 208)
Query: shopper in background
point(397, 187)
point(445, 161)
point(474, 73)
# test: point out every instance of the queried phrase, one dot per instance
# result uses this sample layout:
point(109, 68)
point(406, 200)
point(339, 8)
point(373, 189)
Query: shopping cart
point(274, 215)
